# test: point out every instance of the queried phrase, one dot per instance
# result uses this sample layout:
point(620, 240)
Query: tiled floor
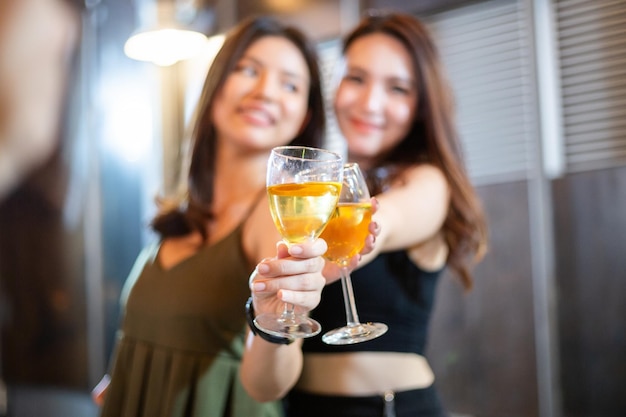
point(49, 402)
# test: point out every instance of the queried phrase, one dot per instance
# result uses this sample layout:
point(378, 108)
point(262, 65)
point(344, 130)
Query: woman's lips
point(365, 126)
point(257, 116)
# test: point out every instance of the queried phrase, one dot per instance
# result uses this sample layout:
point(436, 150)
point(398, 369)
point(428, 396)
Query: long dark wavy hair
point(193, 213)
point(432, 139)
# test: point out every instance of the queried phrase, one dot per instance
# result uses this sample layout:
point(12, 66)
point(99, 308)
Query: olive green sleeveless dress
point(180, 344)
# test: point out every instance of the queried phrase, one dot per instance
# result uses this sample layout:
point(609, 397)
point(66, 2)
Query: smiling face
point(376, 101)
point(264, 100)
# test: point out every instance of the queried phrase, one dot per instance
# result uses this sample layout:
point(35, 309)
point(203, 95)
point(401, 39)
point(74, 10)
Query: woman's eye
point(291, 87)
point(400, 90)
point(353, 78)
point(247, 70)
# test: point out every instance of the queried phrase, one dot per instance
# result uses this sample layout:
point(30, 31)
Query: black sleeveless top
point(392, 290)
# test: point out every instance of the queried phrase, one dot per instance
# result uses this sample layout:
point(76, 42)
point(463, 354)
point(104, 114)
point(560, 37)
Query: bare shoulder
point(426, 173)
point(431, 252)
point(425, 180)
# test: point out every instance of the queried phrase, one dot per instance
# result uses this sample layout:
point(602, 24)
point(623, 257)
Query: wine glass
point(345, 235)
point(303, 185)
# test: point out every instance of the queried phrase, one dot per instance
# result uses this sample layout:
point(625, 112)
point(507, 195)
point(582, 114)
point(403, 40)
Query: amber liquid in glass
point(346, 231)
point(301, 211)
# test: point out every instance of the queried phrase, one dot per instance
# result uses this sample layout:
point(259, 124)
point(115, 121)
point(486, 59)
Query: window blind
point(485, 48)
point(592, 56)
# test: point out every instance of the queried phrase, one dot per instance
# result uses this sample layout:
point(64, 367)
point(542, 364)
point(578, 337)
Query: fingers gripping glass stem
point(303, 185)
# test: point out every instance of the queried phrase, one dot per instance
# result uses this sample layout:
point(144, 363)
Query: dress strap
point(260, 194)
point(147, 255)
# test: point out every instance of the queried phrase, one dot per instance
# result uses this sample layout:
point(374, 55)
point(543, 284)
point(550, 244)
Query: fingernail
point(263, 268)
point(258, 286)
point(296, 250)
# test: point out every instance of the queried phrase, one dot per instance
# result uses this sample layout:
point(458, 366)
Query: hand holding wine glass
point(303, 185)
point(345, 235)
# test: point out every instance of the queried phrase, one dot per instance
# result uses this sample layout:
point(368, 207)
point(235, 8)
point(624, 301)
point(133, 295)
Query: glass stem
point(352, 317)
point(288, 313)
point(288, 316)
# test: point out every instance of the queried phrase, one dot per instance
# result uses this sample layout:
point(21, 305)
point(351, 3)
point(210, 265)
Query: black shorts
point(414, 403)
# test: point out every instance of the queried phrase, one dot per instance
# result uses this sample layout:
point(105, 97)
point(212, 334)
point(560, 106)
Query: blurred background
point(541, 93)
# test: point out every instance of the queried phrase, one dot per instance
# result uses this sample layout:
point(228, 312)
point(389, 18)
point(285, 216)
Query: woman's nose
point(266, 86)
point(374, 97)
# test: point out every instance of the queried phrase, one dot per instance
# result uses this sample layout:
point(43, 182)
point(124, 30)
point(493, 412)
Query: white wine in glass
point(345, 235)
point(303, 185)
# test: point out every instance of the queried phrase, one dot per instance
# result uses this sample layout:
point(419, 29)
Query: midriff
point(363, 373)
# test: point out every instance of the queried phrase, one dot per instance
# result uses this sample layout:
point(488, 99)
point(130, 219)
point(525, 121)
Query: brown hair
point(193, 213)
point(433, 138)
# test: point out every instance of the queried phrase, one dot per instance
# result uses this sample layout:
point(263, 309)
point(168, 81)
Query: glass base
point(357, 333)
point(297, 326)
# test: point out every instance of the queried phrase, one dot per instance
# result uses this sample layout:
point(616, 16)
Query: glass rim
point(337, 156)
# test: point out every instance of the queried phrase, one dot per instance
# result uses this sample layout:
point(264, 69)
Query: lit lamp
point(166, 46)
point(165, 41)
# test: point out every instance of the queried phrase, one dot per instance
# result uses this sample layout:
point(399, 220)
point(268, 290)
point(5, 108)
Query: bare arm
point(411, 212)
point(269, 370)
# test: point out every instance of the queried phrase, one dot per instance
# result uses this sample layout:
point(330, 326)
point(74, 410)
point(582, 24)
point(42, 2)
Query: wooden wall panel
point(590, 221)
point(482, 342)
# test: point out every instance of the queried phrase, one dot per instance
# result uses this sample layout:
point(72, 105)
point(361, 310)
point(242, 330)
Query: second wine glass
point(303, 185)
point(345, 235)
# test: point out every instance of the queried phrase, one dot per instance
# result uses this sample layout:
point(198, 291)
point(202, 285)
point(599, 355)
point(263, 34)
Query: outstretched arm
point(269, 370)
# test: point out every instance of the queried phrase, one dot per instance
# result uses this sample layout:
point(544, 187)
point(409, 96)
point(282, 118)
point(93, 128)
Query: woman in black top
point(394, 108)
